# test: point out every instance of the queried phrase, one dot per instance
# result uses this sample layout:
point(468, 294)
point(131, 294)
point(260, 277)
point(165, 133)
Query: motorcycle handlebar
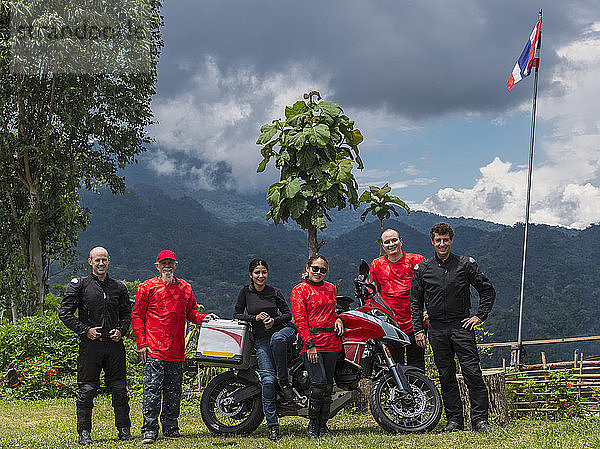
point(363, 288)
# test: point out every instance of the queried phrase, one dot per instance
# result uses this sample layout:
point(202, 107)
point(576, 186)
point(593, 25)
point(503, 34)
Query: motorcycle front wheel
point(418, 412)
point(221, 415)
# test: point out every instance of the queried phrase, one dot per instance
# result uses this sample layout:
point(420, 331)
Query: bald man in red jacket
point(392, 274)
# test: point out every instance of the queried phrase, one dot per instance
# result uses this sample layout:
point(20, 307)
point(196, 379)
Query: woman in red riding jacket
point(313, 307)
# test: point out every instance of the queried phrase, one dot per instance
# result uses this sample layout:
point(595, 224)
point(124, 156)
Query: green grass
point(51, 424)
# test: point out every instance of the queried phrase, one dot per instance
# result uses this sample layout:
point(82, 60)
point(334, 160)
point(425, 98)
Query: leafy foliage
point(38, 377)
point(381, 203)
point(315, 149)
point(38, 345)
point(63, 126)
point(38, 357)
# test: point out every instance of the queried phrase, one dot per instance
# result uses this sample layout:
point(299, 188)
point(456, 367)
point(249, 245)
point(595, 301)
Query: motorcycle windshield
point(383, 303)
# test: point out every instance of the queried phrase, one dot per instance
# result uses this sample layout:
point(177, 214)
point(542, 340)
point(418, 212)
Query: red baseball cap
point(166, 254)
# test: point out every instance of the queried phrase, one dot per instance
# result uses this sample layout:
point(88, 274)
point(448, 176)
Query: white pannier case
point(224, 343)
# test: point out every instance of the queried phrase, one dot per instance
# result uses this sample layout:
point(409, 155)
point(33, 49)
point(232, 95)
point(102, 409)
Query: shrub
point(39, 359)
point(552, 396)
point(38, 377)
point(34, 336)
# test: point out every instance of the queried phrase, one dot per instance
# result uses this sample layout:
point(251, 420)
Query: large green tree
point(315, 148)
point(76, 82)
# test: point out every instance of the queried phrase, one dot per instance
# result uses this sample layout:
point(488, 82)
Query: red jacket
point(393, 281)
point(314, 306)
point(159, 314)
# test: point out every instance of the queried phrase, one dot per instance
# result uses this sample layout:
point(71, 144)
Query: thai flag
point(530, 57)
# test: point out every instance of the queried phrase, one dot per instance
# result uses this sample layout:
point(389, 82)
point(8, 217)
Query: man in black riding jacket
point(442, 284)
point(104, 316)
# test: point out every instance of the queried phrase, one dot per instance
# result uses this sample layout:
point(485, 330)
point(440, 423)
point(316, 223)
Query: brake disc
point(412, 411)
point(226, 406)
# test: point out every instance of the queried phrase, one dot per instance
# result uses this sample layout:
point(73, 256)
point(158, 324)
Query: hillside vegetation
point(562, 287)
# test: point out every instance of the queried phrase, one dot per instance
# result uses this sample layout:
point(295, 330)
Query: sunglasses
point(316, 269)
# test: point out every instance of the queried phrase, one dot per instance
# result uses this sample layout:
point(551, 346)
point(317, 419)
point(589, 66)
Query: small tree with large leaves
point(315, 148)
point(381, 204)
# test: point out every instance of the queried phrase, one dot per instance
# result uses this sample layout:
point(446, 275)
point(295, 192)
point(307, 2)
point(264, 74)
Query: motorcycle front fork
point(399, 377)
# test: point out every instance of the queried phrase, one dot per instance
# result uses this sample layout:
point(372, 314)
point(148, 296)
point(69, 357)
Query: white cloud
point(162, 164)
point(411, 170)
point(412, 182)
point(566, 186)
point(218, 119)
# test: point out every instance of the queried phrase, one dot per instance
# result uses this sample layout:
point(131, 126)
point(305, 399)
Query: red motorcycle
point(402, 398)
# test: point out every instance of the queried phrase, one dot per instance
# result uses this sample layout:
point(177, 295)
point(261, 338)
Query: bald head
point(99, 260)
point(392, 244)
point(390, 232)
point(98, 250)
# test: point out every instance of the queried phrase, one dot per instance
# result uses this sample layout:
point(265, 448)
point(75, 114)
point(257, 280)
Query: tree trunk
point(313, 244)
point(380, 241)
point(15, 316)
point(36, 262)
point(494, 381)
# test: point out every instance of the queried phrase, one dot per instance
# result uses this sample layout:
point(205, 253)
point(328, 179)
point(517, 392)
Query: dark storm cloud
point(416, 58)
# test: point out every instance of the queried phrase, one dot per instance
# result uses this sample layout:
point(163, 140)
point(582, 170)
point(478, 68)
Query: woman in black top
point(265, 309)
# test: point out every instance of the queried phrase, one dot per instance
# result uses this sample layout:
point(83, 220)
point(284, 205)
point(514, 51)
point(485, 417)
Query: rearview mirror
point(363, 268)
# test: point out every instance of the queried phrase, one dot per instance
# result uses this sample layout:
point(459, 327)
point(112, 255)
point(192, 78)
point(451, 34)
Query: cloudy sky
point(425, 82)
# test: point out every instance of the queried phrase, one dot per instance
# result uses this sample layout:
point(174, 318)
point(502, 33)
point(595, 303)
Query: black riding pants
point(321, 383)
point(95, 356)
point(448, 340)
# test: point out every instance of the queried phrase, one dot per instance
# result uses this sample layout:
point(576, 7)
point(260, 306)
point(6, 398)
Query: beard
point(167, 276)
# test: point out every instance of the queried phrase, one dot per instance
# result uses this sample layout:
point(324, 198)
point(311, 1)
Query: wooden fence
point(553, 389)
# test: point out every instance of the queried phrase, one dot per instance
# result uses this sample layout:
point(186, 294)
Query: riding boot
point(314, 413)
point(324, 413)
point(312, 430)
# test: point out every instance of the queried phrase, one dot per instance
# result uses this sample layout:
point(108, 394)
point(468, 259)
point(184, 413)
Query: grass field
point(51, 424)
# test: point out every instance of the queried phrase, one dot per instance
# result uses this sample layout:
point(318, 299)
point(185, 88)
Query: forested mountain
point(562, 288)
point(236, 207)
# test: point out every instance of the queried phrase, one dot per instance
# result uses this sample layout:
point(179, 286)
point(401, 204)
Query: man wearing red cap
point(162, 305)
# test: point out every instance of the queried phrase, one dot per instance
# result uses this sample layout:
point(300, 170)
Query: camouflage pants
point(161, 379)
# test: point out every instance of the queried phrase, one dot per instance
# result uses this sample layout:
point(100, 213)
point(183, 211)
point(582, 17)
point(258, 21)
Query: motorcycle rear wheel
point(393, 416)
point(223, 417)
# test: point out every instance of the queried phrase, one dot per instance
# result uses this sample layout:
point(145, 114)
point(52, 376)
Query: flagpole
point(527, 207)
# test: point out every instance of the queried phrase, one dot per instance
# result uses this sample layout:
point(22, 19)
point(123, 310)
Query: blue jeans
point(271, 355)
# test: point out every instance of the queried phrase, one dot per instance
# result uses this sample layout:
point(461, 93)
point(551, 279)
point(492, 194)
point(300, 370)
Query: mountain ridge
point(561, 301)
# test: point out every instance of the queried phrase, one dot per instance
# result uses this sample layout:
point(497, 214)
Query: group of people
point(97, 308)
point(430, 298)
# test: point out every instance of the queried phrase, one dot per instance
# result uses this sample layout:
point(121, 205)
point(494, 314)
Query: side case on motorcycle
point(224, 343)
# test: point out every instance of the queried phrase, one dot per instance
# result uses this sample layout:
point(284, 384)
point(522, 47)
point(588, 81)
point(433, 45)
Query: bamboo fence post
point(580, 380)
point(544, 359)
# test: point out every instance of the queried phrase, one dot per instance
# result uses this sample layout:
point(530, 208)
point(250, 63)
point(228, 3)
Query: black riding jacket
point(444, 288)
point(99, 303)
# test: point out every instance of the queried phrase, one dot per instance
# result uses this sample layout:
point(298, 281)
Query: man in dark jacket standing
point(442, 284)
point(104, 314)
